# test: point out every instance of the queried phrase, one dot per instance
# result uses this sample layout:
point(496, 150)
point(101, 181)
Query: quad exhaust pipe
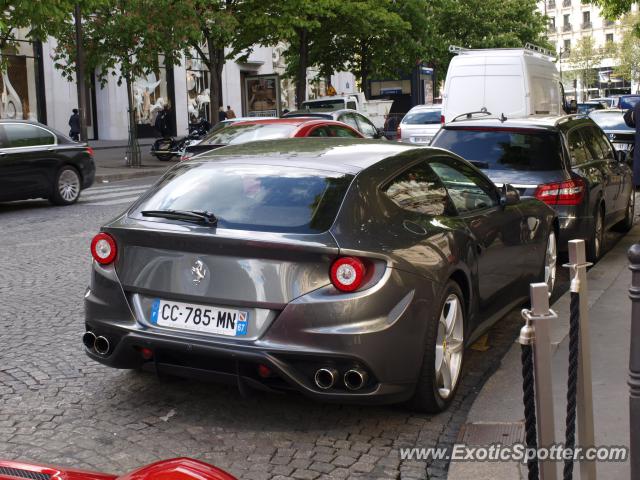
point(325, 378)
point(100, 344)
point(355, 378)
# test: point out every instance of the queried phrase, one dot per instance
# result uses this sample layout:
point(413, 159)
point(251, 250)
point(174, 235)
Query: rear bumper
point(380, 330)
point(572, 227)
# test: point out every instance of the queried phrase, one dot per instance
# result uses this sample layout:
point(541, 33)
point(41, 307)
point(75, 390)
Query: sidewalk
point(111, 164)
point(500, 400)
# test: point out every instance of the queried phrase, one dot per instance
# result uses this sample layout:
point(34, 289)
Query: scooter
point(166, 148)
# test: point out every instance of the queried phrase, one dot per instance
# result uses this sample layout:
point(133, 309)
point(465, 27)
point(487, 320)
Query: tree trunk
point(215, 65)
point(364, 71)
point(134, 158)
point(303, 60)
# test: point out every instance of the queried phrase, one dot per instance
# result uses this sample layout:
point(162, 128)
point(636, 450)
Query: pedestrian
point(74, 124)
point(230, 113)
point(630, 118)
point(221, 115)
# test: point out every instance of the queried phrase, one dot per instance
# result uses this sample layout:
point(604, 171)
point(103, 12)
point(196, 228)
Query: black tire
point(627, 222)
point(66, 186)
point(427, 397)
point(164, 157)
point(595, 245)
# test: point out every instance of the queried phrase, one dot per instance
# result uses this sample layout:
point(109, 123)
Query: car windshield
point(323, 105)
point(503, 149)
point(425, 117)
point(629, 101)
point(587, 107)
point(234, 134)
point(610, 120)
point(252, 197)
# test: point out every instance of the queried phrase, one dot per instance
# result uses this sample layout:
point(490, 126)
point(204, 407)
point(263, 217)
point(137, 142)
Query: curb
point(135, 173)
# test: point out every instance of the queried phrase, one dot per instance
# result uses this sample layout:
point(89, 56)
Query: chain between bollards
point(572, 378)
point(527, 337)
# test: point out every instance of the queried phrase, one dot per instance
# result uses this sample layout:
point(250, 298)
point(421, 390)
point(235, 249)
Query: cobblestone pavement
point(57, 406)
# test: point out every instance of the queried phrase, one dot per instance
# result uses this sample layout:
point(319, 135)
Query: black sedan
point(346, 269)
point(38, 162)
point(612, 123)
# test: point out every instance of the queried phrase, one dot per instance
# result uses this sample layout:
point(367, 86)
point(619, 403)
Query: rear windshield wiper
point(198, 216)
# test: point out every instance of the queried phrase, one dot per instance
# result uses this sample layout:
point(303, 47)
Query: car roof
point(296, 121)
point(542, 122)
point(343, 155)
point(417, 108)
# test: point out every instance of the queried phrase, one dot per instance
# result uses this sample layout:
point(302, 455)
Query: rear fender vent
point(19, 473)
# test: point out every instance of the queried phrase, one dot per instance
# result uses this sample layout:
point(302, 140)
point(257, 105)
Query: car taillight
point(347, 273)
point(89, 151)
point(103, 248)
point(570, 192)
point(398, 134)
point(442, 119)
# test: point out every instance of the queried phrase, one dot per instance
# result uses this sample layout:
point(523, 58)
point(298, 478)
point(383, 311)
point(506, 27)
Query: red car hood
point(173, 469)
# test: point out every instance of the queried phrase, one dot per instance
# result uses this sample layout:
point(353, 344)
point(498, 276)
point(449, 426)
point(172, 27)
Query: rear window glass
point(429, 117)
point(610, 120)
point(234, 134)
point(502, 149)
point(253, 197)
point(628, 102)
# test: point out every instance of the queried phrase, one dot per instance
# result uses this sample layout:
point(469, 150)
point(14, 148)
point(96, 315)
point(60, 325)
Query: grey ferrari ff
point(350, 270)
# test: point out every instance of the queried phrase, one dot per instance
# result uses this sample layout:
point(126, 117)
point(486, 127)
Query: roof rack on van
point(469, 115)
point(529, 47)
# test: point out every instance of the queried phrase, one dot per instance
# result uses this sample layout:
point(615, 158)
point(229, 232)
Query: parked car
point(38, 162)
point(626, 102)
point(609, 102)
point(586, 107)
point(567, 162)
point(621, 136)
point(175, 469)
point(420, 124)
point(350, 270)
point(350, 117)
point(270, 129)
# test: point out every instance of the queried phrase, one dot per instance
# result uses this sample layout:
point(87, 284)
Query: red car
point(271, 129)
point(174, 469)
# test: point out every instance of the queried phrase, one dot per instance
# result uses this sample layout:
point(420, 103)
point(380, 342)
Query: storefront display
point(197, 90)
point(262, 94)
point(151, 94)
point(19, 83)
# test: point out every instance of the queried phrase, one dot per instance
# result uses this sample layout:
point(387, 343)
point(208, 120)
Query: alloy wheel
point(598, 235)
point(550, 261)
point(69, 185)
point(449, 346)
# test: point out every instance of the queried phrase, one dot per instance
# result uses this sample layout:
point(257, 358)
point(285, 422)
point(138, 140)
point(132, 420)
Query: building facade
point(571, 20)
point(32, 88)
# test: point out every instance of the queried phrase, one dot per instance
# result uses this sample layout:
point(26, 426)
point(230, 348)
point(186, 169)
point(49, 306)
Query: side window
point(577, 148)
point(350, 120)
point(419, 190)
point(367, 128)
point(338, 131)
point(352, 105)
point(469, 190)
point(592, 144)
point(25, 135)
point(319, 132)
point(605, 146)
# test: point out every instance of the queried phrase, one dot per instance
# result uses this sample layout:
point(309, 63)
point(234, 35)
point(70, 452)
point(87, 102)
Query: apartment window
point(566, 25)
point(566, 3)
point(567, 45)
point(552, 4)
point(586, 20)
point(552, 22)
point(609, 38)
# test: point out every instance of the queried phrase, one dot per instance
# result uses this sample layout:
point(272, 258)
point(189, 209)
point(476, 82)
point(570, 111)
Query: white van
point(514, 82)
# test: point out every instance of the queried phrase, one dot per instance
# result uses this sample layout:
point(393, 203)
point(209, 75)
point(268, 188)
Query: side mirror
point(509, 195)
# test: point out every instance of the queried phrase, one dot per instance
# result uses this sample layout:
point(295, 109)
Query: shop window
point(197, 90)
point(19, 84)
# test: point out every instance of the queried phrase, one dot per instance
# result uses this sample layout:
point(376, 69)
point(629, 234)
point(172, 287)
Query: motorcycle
point(166, 148)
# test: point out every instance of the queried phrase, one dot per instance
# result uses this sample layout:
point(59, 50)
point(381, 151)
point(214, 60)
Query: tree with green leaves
point(121, 43)
point(628, 52)
point(584, 59)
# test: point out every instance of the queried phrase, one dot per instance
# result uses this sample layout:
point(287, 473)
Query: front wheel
point(444, 351)
point(66, 188)
point(627, 222)
point(596, 242)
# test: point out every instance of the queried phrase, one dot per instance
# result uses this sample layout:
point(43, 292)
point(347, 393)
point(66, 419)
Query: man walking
point(74, 125)
point(631, 119)
point(230, 112)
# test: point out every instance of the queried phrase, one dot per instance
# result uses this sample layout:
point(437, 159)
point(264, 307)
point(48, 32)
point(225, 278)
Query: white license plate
point(199, 318)
point(421, 139)
point(622, 146)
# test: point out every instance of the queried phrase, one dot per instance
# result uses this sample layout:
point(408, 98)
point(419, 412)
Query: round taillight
point(347, 273)
point(103, 248)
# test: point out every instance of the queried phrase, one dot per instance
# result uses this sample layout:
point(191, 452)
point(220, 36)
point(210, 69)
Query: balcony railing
point(566, 3)
point(586, 25)
point(609, 23)
point(566, 28)
point(552, 29)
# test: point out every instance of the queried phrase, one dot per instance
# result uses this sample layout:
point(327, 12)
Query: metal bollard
point(634, 361)
point(578, 271)
point(539, 317)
